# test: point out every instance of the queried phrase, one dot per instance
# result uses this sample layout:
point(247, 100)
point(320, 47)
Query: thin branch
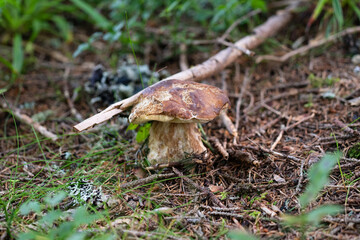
point(202, 189)
point(146, 180)
point(308, 47)
point(28, 120)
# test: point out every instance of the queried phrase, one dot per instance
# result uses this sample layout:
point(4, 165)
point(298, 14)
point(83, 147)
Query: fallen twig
point(227, 56)
point(213, 198)
point(146, 180)
point(219, 147)
point(239, 101)
point(346, 128)
point(73, 110)
point(244, 157)
point(28, 120)
point(308, 47)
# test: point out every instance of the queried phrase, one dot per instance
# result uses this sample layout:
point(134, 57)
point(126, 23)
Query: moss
point(354, 151)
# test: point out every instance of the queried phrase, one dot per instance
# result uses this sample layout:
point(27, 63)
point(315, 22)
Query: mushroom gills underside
point(172, 142)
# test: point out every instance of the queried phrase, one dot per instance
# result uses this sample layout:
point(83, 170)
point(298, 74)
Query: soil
point(291, 114)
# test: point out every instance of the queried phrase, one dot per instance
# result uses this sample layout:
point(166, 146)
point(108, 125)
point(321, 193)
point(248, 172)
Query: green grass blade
point(18, 53)
point(319, 175)
point(7, 64)
point(338, 12)
point(95, 15)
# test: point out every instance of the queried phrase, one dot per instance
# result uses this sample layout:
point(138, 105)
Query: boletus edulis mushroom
point(175, 107)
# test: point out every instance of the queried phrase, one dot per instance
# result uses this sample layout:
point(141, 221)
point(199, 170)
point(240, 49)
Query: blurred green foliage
point(21, 21)
point(56, 224)
point(332, 14)
point(170, 21)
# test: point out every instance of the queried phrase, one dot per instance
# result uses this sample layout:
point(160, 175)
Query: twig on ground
point(277, 140)
point(226, 214)
point(245, 83)
point(164, 165)
point(221, 209)
point(346, 128)
point(273, 152)
point(239, 48)
point(332, 140)
point(290, 93)
point(301, 176)
point(244, 157)
point(28, 120)
point(73, 110)
point(227, 56)
point(183, 58)
point(341, 220)
point(308, 47)
point(213, 198)
point(219, 147)
point(146, 180)
point(229, 125)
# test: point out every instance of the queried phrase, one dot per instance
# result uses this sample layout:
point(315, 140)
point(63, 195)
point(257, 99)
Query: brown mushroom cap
point(179, 101)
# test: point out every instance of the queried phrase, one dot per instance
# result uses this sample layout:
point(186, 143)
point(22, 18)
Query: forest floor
point(291, 114)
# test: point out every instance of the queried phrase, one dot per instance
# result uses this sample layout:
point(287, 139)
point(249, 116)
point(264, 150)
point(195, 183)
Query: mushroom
point(175, 107)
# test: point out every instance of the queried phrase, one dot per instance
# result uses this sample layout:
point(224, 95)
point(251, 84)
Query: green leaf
point(64, 28)
point(338, 12)
point(18, 53)
point(7, 64)
point(258, 4)
point(77, 236)
point(31, 206)
point(240, 235)
point(82, 216)
point(51, 217)
point(82, 47)
point(355, 8)
point(143, 132)
point(315, 216)
point(54, 199)
point(132, 126)
point(318, 174)
point(3, 90)
point(105, 237)
point(27, 236)
point(93, 13)
point(318, 9)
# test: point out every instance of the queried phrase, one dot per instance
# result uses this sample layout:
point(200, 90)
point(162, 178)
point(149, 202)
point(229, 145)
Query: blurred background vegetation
point(72, 27)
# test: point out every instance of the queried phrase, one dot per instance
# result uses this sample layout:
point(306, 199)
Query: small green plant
point(310, 102)
point(142, 131)
point(318, 178)
point(318, 82)
point(56, 224)
point(354, 151)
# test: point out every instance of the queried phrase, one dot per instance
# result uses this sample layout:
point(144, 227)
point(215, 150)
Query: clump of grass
point(318, 82)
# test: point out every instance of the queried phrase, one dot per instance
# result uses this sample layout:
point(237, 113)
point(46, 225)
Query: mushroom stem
point(172, 142)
